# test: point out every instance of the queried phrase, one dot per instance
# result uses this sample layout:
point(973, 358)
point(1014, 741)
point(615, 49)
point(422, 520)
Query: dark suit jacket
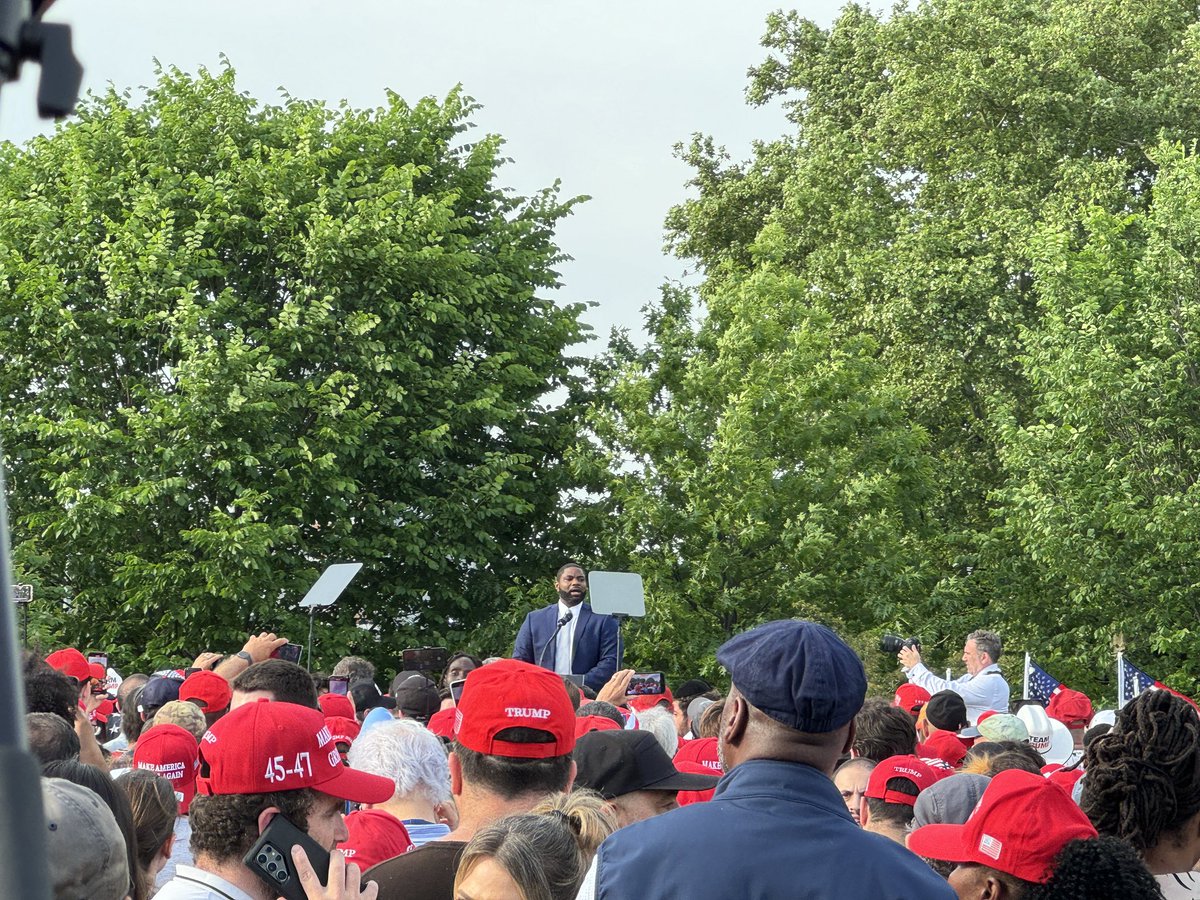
point(595, 643)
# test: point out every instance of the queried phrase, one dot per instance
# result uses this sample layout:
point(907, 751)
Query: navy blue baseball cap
point(799, 673)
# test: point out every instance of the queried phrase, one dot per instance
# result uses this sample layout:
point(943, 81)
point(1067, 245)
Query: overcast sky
point(594, 94)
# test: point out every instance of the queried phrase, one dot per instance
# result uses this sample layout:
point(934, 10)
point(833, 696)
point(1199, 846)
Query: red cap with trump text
point(513, 694)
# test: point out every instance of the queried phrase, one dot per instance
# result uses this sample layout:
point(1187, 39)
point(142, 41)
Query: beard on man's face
point(573, 596)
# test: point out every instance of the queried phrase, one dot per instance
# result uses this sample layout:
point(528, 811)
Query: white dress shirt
point(564, 643)
point(983, 691)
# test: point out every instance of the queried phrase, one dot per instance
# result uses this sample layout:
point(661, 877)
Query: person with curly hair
point(1027, 840)
point(1143, 786)
point(262, 760)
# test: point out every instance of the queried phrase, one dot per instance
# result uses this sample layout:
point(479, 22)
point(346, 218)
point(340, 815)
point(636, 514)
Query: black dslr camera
point(893, 643)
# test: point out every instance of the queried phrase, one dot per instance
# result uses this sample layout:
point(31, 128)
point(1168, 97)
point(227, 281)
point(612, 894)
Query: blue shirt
point(772, 830)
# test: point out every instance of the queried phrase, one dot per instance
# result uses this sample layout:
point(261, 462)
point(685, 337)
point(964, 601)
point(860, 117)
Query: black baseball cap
point(614, 763)
point(366, 696)
point(947, 711)
point(417, 698)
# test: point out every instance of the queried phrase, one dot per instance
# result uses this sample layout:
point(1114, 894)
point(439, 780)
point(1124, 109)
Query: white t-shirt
point(1179, 886)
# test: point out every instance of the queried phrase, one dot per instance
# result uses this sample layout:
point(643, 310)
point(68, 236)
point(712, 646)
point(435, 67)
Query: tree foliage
point(243, 342)
point(988, 204)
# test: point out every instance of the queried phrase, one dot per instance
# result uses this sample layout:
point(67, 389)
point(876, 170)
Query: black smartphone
point(456, 688)
point(190, 671)
point(425, 659)
point(101, 658)
point(290, 652)
point(339, 684)
point(643, 683)
point(271, 858)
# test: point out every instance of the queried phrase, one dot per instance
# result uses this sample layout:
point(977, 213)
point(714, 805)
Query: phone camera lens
point(281, 875)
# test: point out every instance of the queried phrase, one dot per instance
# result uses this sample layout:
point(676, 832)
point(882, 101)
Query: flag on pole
point(1134, 681)
point(1041, 686)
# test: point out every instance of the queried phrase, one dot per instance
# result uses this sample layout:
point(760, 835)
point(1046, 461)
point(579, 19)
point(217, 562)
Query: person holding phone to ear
point(261, 764)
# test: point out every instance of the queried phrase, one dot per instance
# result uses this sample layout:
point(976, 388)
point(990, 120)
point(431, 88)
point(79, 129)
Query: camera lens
point(262, 859)
point(281, 875)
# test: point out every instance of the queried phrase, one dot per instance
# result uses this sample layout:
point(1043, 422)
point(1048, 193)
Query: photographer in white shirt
point(983, 687)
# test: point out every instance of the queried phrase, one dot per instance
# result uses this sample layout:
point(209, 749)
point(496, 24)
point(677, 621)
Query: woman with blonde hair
point(540, 855)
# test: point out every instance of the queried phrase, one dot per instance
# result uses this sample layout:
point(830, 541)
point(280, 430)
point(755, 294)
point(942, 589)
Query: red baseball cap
point(1020, 825)
point(1063, 777)
point(441, 722)
point(98, 672)
point(685, 798)
point(344, 730)
point(910, 698)
point(944, 745)
point(513, 694)
point(103, 710)
point(336, 705)
point(375, 835)
point(1072, 708)
point(213, 691)
point(701, 751)
point(584, 724)
point(921, 774)
point(267, 746)
point(70, 662)
point(170, 751)
point(642, 702)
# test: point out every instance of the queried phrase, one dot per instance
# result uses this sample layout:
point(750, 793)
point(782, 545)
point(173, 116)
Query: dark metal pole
point(24, 871)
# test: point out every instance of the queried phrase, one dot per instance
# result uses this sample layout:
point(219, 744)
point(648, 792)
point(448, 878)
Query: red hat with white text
point(513, 694)
point(913, 770)
point(170, 751)
point(266, 746)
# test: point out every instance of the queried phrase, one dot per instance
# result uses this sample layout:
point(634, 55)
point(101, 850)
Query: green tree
point(243, 342)
point(765, 470)
point(929, 152)
point(1102, 489)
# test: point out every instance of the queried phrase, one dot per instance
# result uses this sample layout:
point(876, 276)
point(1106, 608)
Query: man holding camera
point(983, 687)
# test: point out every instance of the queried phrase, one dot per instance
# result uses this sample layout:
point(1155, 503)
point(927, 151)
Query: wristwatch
point(242, 654)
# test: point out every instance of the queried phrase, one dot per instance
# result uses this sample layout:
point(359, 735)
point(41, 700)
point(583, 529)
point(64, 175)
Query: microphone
point(561, 622)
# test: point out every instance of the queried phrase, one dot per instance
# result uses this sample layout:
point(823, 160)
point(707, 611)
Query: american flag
point(1134, 681)
point(1042, 686)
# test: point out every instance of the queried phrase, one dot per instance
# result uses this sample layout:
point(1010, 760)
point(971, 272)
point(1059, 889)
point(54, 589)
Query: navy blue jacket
point(595, 643)
point(772, 831)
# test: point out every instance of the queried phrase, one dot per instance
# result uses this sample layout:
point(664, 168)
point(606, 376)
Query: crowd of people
point(528, 785)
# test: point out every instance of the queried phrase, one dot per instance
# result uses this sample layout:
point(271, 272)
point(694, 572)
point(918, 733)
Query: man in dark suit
point(585, 645)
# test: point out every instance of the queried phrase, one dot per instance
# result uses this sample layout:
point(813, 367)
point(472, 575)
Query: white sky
point(594, 94)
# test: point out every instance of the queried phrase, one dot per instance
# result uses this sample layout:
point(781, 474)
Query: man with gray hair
point(983, 687)
point(413, 757)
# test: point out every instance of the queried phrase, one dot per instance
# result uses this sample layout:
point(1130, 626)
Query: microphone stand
point(546, 646)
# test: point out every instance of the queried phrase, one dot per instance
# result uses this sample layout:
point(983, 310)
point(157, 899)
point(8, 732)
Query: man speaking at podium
point(567, 636)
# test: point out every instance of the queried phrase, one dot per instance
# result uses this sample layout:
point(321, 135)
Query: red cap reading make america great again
point(513, 694)
point(267, 746)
